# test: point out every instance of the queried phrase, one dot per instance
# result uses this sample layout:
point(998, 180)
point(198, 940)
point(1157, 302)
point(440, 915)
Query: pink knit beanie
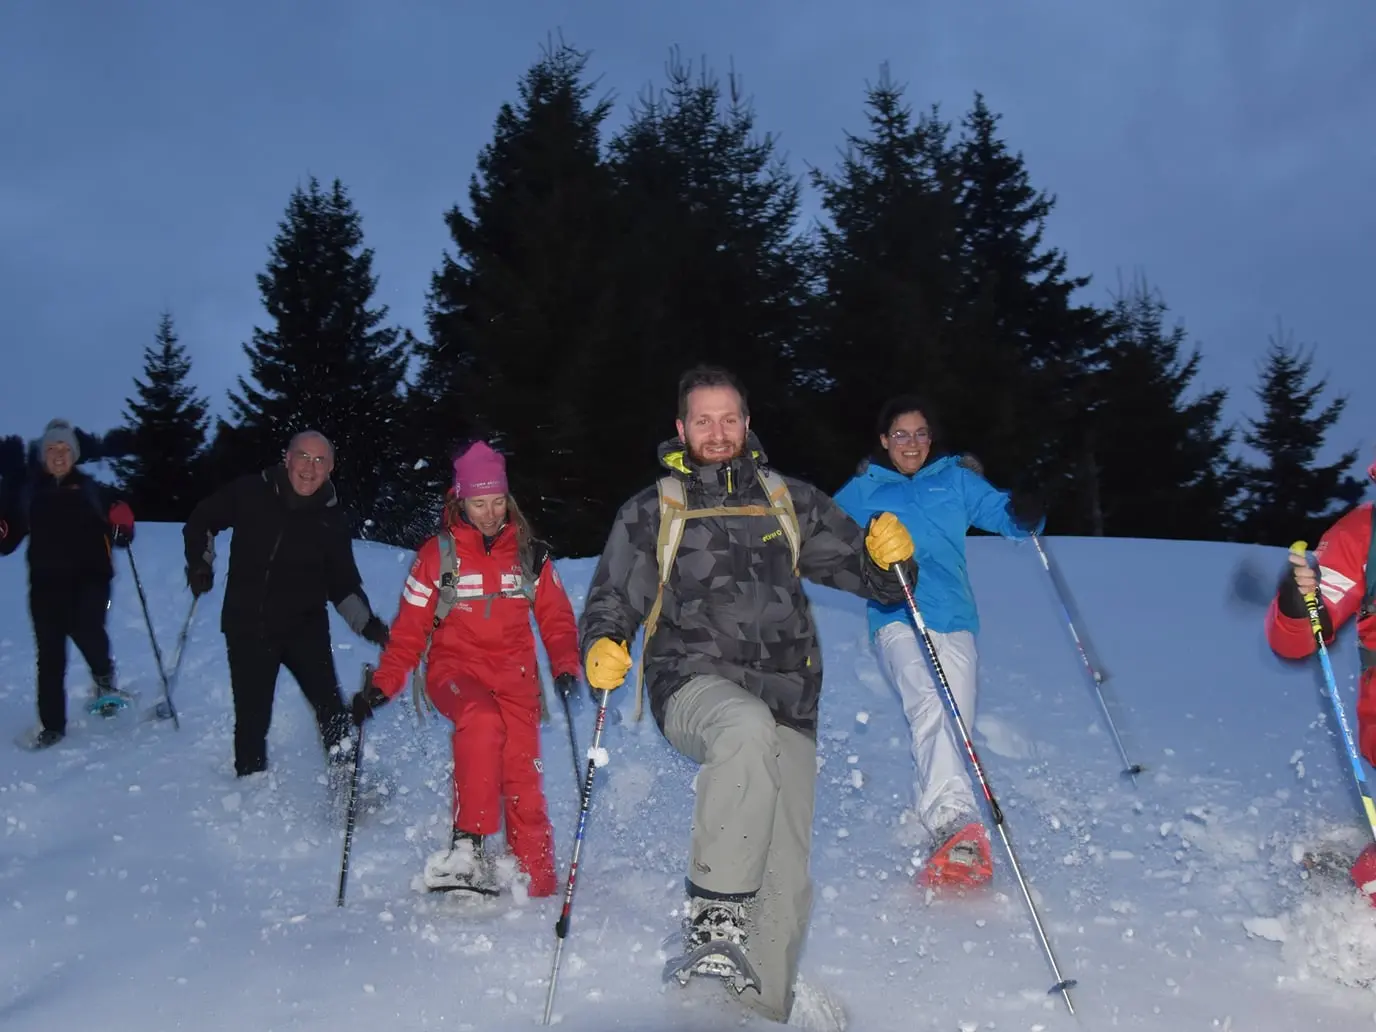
point(479, 471)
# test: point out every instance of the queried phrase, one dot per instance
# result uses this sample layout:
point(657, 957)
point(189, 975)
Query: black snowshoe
point(465, 867)
point(714, 944)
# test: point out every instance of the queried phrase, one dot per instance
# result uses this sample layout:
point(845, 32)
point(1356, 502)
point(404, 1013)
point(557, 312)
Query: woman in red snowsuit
point(1346, 585)
point(482, 669)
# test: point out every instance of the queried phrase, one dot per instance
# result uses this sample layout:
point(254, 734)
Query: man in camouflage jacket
point(734, 670)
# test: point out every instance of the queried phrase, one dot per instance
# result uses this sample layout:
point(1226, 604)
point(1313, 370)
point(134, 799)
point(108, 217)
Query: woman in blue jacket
point(938, 498)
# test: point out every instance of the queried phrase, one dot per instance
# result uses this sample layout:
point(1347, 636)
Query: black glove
point(376, 632)
point(567, 684)
point(1026, 511)
point(200, 578)
point(362, 705)
point(1291, 603)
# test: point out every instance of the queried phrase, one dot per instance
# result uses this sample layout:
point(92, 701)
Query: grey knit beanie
point(59, 430)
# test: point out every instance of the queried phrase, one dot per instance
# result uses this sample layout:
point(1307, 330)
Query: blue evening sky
point(1226, 151)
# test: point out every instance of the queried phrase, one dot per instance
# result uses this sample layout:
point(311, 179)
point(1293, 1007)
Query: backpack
point(449, 595)
point(674, 514)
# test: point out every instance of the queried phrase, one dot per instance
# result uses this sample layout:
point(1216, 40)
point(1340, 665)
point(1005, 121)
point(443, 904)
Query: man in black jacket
point(71, 527)
point(291, 553)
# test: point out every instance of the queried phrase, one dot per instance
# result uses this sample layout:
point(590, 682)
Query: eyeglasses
point(904, 436)
point(304, 457)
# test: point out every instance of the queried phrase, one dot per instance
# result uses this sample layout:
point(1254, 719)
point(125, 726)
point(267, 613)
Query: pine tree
point(937, 281)
point(710, 270)
point(890, 271)
point(1157, 461)
point(519, 310)
point(163, 478)
point(328, 363)
point(1290, 496)
point(1022, 344)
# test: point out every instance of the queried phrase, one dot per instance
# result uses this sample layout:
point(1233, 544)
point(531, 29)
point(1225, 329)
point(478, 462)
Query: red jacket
point(484, 639)
point(1342, 555)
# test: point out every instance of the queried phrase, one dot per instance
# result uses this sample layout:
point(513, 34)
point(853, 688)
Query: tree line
point(589, 268)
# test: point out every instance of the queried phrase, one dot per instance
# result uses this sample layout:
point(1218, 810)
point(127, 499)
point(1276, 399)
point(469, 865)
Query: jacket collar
point(463, 529)
point(878, 468)
point(716, 477)
point(324, 498)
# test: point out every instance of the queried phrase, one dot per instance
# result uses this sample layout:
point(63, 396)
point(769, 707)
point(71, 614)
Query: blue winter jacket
point(938, 504)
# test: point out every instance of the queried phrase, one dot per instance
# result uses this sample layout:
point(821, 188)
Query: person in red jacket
point(1346, 586)
point(482, 672)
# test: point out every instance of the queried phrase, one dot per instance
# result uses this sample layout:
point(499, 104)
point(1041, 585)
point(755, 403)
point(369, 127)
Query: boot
point(45, 738)
point(714, 920)
point(466, 867)
point(107, 699)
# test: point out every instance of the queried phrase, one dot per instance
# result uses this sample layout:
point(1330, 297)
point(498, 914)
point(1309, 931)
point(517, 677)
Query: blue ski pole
point(1311, 603)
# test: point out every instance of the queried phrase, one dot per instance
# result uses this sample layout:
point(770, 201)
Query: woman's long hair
point(525, 535)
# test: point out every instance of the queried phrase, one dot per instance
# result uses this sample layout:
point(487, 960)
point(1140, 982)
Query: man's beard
point(700, 459)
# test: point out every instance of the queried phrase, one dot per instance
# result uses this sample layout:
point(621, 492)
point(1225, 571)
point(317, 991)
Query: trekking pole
point(1063, 985)
point(165, 710)
point(573, 740)
point(353, 804)
point(1311, 603)
point(561, 927)
point(1096, 676)
point(147, 619)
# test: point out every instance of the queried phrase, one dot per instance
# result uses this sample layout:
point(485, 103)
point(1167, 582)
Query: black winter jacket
point(288, 556)
point(66, 523)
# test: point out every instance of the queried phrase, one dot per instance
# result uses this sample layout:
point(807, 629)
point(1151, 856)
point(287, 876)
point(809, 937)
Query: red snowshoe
point(962, 862)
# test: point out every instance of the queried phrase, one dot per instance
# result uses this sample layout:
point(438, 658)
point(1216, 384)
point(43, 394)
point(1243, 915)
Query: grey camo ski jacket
point(733, 605)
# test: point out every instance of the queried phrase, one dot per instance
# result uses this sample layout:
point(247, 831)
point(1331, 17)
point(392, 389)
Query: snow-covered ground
point(142, 887)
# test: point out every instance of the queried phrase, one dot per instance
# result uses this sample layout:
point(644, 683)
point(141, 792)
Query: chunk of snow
point(1266, 928)
point(598, 756)
point(862, 717)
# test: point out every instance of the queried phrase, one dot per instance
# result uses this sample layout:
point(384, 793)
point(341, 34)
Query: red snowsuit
point(1342, 554)
point(482, 675)
point(1343, 577)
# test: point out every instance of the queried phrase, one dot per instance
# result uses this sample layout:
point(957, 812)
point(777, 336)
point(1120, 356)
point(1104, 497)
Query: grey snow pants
point(752, 822)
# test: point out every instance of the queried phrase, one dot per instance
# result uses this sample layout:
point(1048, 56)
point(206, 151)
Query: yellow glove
point(888, 541)
point(607, 664)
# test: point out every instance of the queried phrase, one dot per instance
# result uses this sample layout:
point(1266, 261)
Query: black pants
point(65, 608)
point(254, 663)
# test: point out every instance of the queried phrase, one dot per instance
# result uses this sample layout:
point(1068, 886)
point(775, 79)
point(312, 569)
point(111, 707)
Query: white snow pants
point(943, 790)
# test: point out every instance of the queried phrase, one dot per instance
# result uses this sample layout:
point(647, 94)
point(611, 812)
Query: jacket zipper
point(267, 574)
